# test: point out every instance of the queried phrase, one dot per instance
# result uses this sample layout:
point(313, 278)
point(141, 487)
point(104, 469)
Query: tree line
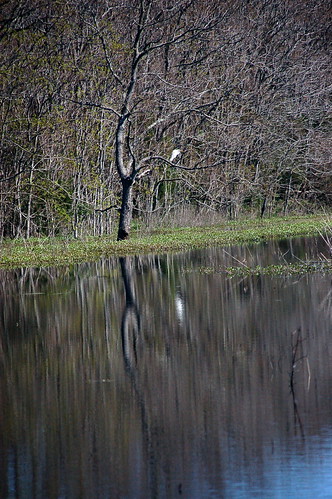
point(96, 96)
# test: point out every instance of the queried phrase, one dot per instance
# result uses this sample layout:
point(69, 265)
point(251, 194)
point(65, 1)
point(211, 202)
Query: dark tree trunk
point(126, 210)
point(263, 208)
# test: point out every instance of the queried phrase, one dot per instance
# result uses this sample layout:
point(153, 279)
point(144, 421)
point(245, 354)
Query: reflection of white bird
point(175, 154)
point(179, 307)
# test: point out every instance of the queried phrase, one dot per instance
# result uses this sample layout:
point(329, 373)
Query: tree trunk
point(126, 210)
point(263, 208)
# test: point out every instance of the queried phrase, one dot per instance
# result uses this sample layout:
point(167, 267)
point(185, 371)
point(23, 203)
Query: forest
point(123, 112)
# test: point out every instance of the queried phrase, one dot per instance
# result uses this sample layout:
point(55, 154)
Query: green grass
point(60, 251)
point(287, 269)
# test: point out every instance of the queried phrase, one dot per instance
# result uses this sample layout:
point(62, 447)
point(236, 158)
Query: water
point(146, 377)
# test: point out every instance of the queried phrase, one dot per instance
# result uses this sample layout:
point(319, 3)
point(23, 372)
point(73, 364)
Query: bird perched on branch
point(175, 154)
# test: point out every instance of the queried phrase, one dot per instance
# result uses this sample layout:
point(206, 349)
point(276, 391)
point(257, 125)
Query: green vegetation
point(61, 251)
point(288, 269)
point(295, 268)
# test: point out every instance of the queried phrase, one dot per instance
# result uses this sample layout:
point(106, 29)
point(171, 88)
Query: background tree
point(91, 110)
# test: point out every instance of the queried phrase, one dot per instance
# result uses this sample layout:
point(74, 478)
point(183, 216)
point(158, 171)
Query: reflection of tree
point(326, 303)
point(131, 339)
point(131, 324)
point(297, 342)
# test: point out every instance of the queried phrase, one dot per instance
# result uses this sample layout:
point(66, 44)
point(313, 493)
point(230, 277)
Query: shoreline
point(50, 252)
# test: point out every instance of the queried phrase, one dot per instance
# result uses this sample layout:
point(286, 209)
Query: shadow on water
point(143, 377)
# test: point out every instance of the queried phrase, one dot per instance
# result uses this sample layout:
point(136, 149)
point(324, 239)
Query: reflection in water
point(179, 306)
point(130, 334)
point(131, 323)
point(148, 378)
point(297, 356)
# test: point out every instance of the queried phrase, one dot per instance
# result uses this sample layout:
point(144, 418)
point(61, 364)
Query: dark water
point(148, 378)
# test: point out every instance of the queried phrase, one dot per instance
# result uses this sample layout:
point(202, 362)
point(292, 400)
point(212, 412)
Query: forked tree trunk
point(126, 210)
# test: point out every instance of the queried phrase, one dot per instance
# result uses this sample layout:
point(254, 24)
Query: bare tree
point(151, 69)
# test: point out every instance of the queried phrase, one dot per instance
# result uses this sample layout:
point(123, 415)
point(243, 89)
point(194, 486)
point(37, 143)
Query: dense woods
point(96, 95)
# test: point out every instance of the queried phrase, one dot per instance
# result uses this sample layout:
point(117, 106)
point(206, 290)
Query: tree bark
point(126, 209)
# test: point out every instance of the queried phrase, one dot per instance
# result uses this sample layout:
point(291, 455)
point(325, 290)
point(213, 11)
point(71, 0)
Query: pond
point(148, 377)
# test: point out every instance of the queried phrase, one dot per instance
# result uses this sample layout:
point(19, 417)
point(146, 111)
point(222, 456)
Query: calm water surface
point(147, 377)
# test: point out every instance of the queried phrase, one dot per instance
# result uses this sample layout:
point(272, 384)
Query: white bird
point(175, 154)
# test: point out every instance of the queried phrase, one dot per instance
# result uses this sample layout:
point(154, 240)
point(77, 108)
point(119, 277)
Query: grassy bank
point(60, 251)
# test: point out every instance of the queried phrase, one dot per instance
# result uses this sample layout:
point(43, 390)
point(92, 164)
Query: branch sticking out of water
point(297, 342)
point(326, 235)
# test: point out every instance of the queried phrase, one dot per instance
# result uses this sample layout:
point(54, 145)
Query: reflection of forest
point(208, 360)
